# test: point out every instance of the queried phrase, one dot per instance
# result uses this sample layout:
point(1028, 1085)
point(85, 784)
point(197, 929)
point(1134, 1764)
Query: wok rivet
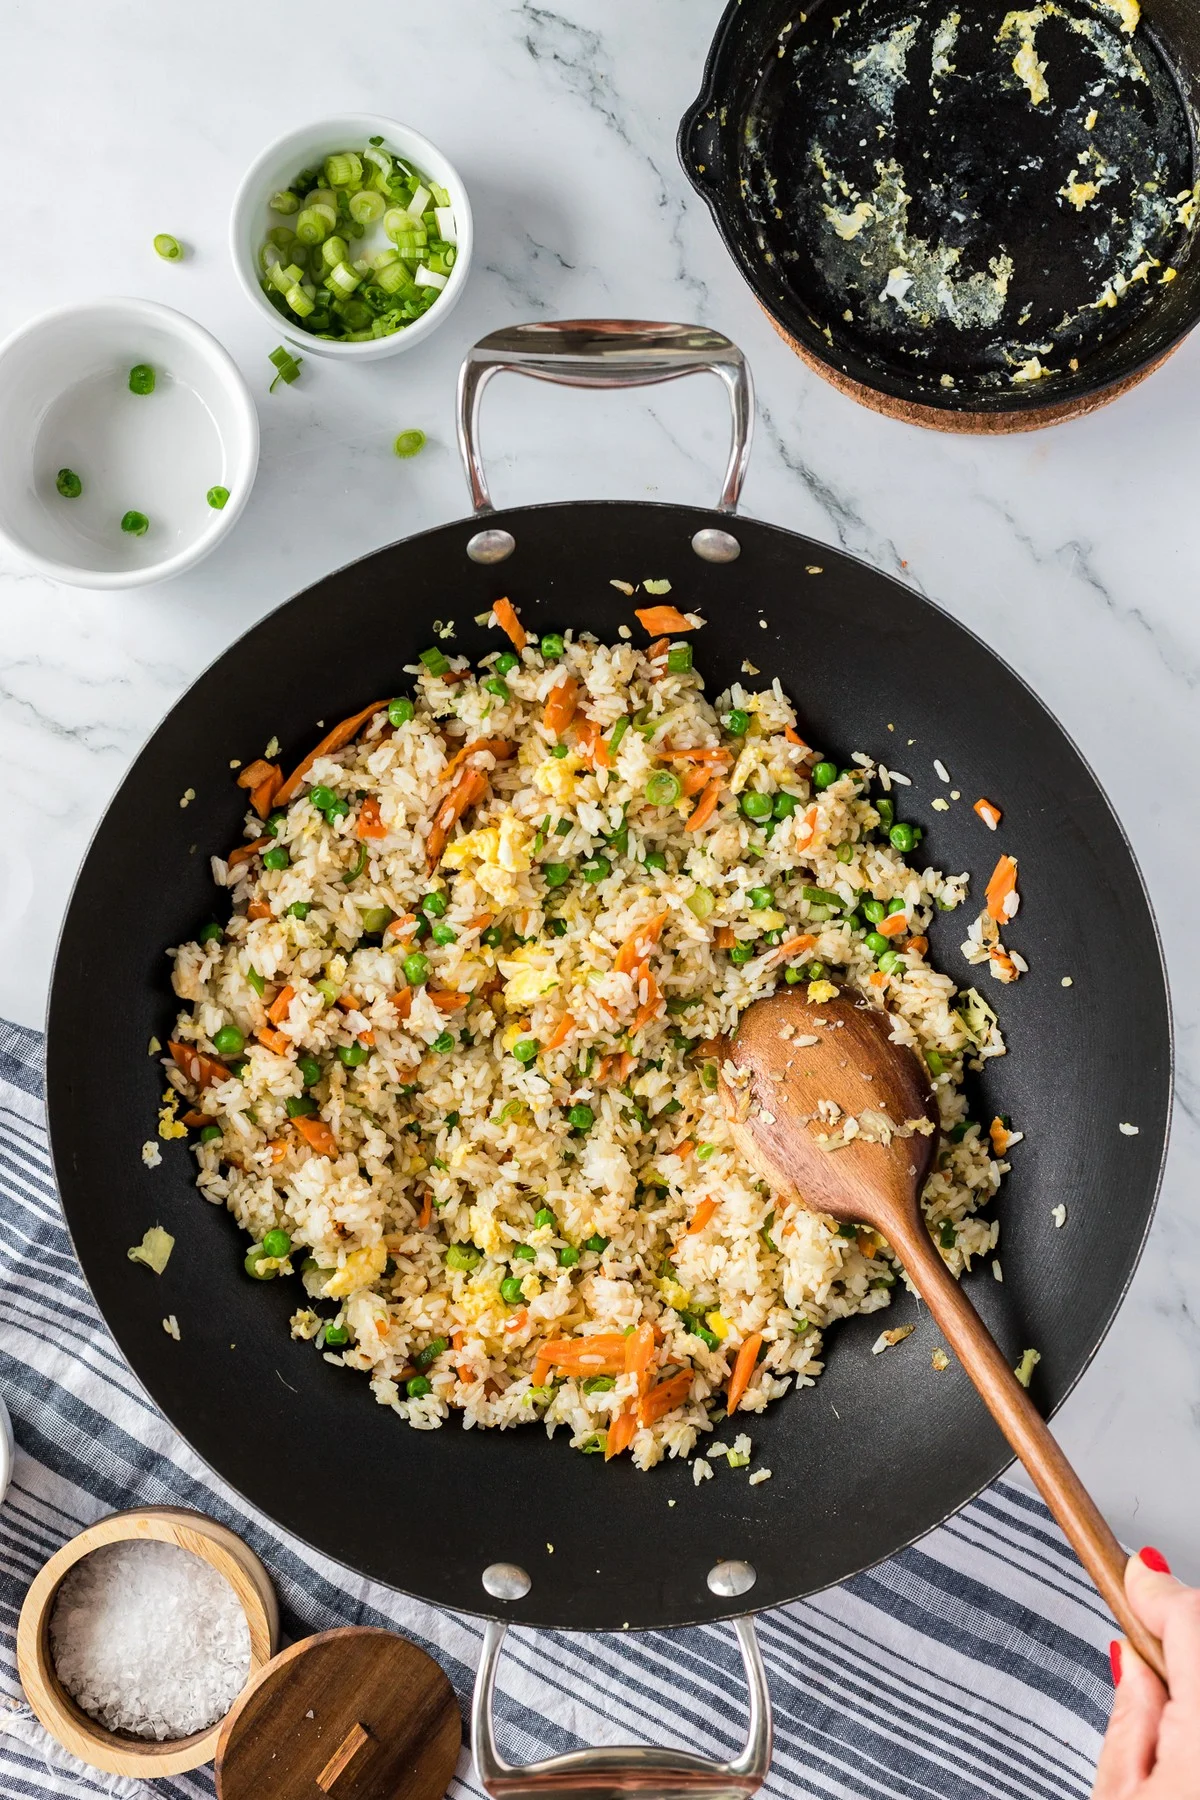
point(491, 546)
point(716, 546)
point(729, 1579)
point(507, 1581)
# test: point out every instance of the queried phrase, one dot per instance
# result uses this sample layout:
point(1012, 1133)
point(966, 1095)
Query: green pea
point(275, 824)
point(277, 1243)
point(618, 841)
point(209, 1134)
point(277, 857)
point(552, 646)
point(493, 937)
point(542, 1217)
point(597, 1243)
point(135, 523)
point(582, 1118)
point(322, 798)
point(524, 1252)
point(229, 1041)
point(416, 968)
point(511, 1290)
point(492, 684)
point(887, 811)
point(211, 934)
point(596, 868)
point(891, 962)
point(337, 809)
point(418, 1385)
point(336, 1336)
point(876, 943)
point(755, 805)
point(252, 1263)
point(902, 837)
point(444, 934)
point(463, 1256)
point(352, 1055)
point(377, 919)
point(299, 909)
point(655, 859)
point(772, 938)
point(824, 775)
point(525, 1050)
point(299, 1106)
point(741, 953)
point(443, 1042)
point(874, 910)
point(434, 905)
point(784, 805)
point(897, 905)
point(568, 1256)
point(760, 897)
point(505, 661)
point(141, 381)
point(854, 920)
point(559, 750)
point(679, 659)
point(68, 484)
point(556, 875)
point(737, 722)
point(310, 1070)
point(401, 710)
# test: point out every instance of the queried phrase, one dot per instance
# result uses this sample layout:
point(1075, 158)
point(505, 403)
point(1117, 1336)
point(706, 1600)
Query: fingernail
point(1114, 1657)
point(1154, 1559)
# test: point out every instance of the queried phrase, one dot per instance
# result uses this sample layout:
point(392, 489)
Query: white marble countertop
point(1070, 551)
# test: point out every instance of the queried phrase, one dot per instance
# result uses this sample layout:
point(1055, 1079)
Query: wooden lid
point(356, 1714)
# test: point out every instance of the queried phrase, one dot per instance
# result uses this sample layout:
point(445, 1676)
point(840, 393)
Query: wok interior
point(883, 1447)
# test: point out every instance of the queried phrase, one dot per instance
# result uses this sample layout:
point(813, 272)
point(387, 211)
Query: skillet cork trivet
point(356, 1714)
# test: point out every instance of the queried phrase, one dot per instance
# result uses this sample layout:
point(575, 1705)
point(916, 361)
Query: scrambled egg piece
point(848, 225)
point(1034, 369)
point(169, 1126)
point(1128, 11)
point(362, 1267)
point(556, 776)
point(499, 852)
point(1026, 66)
point(821, 991)
point(486, 1232)
point(528, 974)
point(1079, 193)
point(718, 1324)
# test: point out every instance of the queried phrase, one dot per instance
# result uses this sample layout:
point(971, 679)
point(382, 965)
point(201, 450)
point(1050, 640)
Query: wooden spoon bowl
point(828, 1101)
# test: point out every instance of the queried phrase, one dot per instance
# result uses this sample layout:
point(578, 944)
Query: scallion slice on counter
point(287, 366)
point(409, 443)
point(168, 247)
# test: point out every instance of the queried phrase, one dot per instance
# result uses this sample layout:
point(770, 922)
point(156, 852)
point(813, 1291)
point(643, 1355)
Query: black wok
point(883, 1448)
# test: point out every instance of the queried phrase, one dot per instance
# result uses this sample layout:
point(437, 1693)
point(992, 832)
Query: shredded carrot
point(446, 1000)
point(263, 797)
point(244, 852)
point(317, 1135)
point(274, 1040)
point(743, 1368)
point(458, 1339)
point(468, 790)
point(658, 619)
point(401, 927)
point(452, 675)
point(998, 1132)
point(633, 950)
point(591, 741)
point(701, 1216)
point(337, 739)
point(506, 618)
point(809, 825)
point(195, 1119)
point(684, 1150)
point(894, 925)
point(649, 1007)
point(370, 821)
point(665, 1397)
point(793, 737)
point(258, 909)
point(518, 1320)
point(794, 947)
point(402, 1001)
point(620, 1434)
point(278, 1009)
point(481, 921)
point(561, 705)
point(695, 779)
point(639, 1353)
point(602, 1354)
point(724, 937)
point(991, 815)
point(919, 944)
point(541, 1368)
point(366, 1037)
point(705, 806)
point(255, 773)
point(1002, 884)
point(723, 757)
point(503, 749)
point(203, 1071)
point(877, 978)
point(560, 1034)
point(347, 1001)
point(426, 1213)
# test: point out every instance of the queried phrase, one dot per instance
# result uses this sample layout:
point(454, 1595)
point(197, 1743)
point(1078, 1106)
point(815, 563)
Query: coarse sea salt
point(150, 1639)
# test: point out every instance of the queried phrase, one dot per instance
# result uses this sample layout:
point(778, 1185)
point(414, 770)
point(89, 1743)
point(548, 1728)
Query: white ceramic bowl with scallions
point(307, 148)
point(81, 451)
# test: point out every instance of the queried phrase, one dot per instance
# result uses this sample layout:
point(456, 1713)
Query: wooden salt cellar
point(356, 1714)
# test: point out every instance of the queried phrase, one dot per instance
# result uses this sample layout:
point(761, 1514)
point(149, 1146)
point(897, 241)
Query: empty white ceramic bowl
point(65, 403)
point(307, 148)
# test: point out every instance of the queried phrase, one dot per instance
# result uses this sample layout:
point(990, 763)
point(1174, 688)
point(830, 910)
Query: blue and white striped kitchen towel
point(971, 1667)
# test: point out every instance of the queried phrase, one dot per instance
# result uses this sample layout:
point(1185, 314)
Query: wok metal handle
point(605, 353)
point(602, 1774)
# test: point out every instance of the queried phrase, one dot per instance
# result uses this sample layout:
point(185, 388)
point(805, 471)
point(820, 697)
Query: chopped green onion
point(679, 659)
point(141, 379)
point(135, 523)
point(169, 248)
point(435, 662)
point(217, 497)
point(356, 868)
point(409, 443)
point(256, 981)
point(287, 366)
point(663, 788)
point(284, 201)
point(820, 896)
point(701, 902)
point(68, 484)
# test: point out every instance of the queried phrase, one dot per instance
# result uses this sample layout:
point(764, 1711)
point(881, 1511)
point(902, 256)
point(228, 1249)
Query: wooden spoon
point(790, 1054)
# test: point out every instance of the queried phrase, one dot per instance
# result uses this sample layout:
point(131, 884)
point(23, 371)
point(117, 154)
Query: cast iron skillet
point(883, 1448)
point(984, 169)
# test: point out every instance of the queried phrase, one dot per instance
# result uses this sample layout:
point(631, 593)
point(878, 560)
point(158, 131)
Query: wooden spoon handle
point(1086, 1529)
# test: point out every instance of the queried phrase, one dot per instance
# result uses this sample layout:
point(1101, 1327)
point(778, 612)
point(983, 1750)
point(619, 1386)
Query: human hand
point(1152, 1746)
